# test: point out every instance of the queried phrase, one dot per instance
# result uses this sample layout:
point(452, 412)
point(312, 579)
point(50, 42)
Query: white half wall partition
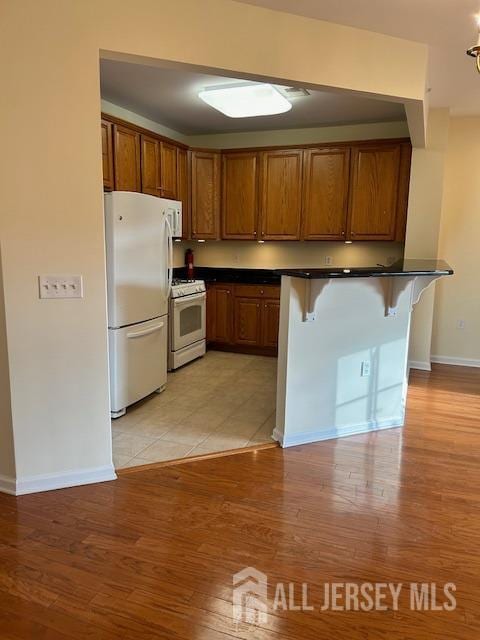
point(343, 349)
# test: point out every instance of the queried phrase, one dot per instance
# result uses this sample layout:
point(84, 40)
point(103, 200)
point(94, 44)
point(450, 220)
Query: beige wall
point(371, 131)
point(424, 210)
point(271, 255)
point(51, 184)
point(7, 457)
point(458, 298)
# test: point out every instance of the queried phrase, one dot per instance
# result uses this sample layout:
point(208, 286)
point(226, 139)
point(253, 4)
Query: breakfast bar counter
point(343, 348)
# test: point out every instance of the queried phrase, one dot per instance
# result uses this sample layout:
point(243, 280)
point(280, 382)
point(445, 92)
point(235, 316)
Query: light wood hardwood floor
point(152, 554)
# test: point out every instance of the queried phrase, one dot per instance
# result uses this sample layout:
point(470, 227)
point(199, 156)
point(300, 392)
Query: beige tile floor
point(221, 401)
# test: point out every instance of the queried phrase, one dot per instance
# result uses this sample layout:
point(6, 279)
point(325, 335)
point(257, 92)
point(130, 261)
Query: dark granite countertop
point(232, 275)
point(399, 268)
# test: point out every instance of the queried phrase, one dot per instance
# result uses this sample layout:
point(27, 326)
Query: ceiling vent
point(293, 92)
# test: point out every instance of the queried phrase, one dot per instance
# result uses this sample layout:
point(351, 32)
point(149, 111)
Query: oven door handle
point(188, 299)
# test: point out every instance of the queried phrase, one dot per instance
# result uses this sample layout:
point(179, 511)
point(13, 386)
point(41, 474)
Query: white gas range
point(187, 322)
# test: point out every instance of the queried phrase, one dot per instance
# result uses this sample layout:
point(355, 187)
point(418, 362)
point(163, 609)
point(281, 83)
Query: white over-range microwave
point(174, 217)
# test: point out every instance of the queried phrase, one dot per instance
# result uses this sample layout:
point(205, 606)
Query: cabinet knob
point(261, 291)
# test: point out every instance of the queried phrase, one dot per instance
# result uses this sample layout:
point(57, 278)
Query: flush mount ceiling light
point(475, 50)
point(246, 100)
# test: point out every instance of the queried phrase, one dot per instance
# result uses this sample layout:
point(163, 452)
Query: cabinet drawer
point(257, 291)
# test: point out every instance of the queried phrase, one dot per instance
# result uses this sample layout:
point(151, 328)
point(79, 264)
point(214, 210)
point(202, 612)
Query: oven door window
point(188, 321)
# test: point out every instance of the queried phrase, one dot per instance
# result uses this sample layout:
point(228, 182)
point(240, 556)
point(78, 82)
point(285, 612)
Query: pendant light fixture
point(475, 50)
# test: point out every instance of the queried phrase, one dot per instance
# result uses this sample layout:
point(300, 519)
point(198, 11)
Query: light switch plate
point(365, 368)
point(60, 286)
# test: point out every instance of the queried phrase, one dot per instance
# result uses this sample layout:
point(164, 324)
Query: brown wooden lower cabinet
point(248, 321)
point(243, 318)
point(220, 314)
point(270, 324)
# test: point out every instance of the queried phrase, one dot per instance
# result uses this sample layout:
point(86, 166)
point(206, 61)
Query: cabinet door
point(239, 195)
point(281, 188)
point(107, 154)
point(325, 202)
point(373, 196)
point(270, 323)
point(183, 190)
point(223, 319)
point(247, 321)
point(168, 169)
point(205, 195)
point(150, 158)
point(403, 191)
point(127, 159)
point(210, 312)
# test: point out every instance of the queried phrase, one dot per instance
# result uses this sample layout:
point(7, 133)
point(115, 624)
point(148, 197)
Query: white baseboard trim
point(51, 481)
point(419, 364)
point(459, 362)
point(7, 485)
point(329, 434)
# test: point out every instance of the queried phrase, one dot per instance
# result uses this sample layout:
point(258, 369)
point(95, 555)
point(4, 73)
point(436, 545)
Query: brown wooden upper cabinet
point(325, 193)
point(403, 190)
point(239, 195)
point(150, 159)
point(343, 191)
point(205, 195)
point(281, 194)
point(107, 154)
point(183, 189)
point(168, 169)
point(374, 192)
point(127, 159)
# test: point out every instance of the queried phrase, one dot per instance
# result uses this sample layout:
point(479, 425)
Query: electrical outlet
point(60, 286)
point(328, 260)
point(365, 368)
point(460, 324)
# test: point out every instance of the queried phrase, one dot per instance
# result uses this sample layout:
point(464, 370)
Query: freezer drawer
point(138, 361)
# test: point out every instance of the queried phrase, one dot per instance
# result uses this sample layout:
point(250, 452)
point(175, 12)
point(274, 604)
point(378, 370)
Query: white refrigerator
point(138, 231)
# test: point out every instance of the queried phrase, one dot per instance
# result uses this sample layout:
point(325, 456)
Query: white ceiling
point(447, 26)
point(170, 97)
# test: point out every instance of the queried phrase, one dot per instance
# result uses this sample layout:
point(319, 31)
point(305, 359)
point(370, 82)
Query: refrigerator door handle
point(145, 332)
point(169, 256)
